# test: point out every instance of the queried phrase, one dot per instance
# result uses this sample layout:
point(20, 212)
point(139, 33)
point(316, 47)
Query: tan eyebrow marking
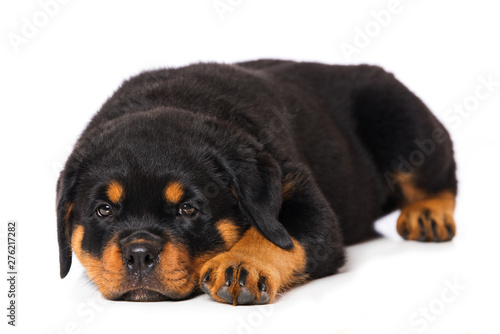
point(114, 191)
point(174, 192)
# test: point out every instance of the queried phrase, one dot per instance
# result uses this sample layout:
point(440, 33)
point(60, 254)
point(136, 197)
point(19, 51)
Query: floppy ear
point(257, 186)
point(64, 201)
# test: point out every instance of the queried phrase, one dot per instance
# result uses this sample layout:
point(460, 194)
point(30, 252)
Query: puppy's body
point(284, 162)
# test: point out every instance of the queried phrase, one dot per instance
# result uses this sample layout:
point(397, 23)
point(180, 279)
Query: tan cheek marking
point(176, 271)
point(229, 232)
point(114, 191)
point(174, 192)
point(108, 272)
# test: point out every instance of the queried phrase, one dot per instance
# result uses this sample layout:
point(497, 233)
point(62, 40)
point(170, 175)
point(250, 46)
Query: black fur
point(235, 134)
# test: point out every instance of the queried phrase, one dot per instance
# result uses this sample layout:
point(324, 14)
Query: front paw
point(239, 279)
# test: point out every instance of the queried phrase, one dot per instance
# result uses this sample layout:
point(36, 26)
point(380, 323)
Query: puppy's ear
point(64, 204)
point(256, 183)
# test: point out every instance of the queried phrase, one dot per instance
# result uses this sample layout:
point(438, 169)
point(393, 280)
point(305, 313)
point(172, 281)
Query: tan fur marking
point(137, 241)
point(174, 192)
point(256, 245)
point(108, 272)
point(410, 192)
point(67, 228)
point(69, 208)
point(229, 232)
point(199, 262)
point(291, 183)
point(176, 275)
point(288, 187)
point(114, 191)
point(260, 257)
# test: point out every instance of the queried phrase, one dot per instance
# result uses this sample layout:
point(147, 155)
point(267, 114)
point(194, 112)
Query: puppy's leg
point(414, 155)
point(255, 270)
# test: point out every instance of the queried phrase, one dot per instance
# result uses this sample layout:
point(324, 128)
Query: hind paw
point(428, 220)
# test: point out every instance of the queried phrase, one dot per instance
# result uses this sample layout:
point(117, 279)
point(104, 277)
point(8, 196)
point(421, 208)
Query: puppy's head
point(146, 199)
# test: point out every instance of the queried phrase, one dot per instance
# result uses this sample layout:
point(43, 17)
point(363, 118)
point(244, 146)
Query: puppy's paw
point(253, 271)
point(428, 220)
point(240, 279)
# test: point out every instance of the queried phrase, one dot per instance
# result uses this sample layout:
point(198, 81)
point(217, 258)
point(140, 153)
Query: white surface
point(58, 80)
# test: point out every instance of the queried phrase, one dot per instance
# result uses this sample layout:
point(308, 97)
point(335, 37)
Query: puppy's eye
point(187, 210)
point(103, 210)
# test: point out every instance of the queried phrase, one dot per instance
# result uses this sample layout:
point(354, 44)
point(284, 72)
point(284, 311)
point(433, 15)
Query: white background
point(54, 81)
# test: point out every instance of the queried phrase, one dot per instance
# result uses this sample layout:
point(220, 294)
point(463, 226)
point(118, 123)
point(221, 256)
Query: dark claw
point(264, 296)
point(206, 278)
point(245, 297)
point(405, 234)
point(262, 284)
point(422, 230)
point(204, 287)
point(225, 294)
point(434, 231)
point(243, 276)
point(204, 283)
point(229, 276)
point(450, 232)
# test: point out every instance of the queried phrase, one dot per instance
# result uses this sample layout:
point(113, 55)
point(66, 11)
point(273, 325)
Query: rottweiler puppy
point(242, 180)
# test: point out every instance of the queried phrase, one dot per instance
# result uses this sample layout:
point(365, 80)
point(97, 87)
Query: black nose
point(140, 258)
